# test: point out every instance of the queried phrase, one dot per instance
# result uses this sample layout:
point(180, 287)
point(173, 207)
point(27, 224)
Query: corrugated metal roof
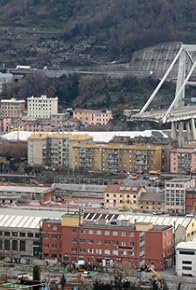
point(26, 218)
point(157, 220)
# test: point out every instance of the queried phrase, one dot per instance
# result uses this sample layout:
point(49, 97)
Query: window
point(90, 251)
point(123, 234)
point(90, 241)
point(7, 244)
point(98, 232)
point(187, 262)
point(54, 246)
point(7, 234)
point(187, 253)
point(115, 252)
point(15, 245)
point(14, 234)
point(106, 233)
point(91, 232)
point(107, 252)
point(30, 235)
point(115, 233)
point(98, 251)
point(107, 242)
point(123, 244)
point(186, 268)
point(23, 246)
point(22, 234)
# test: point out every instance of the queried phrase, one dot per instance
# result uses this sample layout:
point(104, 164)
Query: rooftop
point(97, 136)
point(190, 245)
point(13, 101)
point(60, 135)
point(158, 196)
point(119, 188)
point(21, 189)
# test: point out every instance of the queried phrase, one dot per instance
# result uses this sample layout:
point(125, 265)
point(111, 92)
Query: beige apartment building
point(42, 107)
point(122, 197)
point(116, 157)
point(53, 149)
point(12, 108)
point(183, 160)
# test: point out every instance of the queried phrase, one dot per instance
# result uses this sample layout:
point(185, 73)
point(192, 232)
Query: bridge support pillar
point(174, 130)
point(188, 129)
point(193, 130)
point(180, 134)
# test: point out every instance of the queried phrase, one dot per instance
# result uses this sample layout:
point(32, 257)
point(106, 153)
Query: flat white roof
point(28, 189)
point(12, 101)
point(97, 136)
point(190, 245)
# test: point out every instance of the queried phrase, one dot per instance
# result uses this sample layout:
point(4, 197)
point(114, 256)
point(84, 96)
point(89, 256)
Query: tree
point(120, 273)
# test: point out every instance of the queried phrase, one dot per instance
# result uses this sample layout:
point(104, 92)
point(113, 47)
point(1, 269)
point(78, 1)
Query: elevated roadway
point(179, 114)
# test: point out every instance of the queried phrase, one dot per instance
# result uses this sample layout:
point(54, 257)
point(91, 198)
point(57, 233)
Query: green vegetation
point(56, 33)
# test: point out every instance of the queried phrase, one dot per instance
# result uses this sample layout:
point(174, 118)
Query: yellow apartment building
point(116, 157)
point(53, 149)
point(122, 197)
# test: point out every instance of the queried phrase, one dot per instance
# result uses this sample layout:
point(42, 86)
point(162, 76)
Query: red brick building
point(190, 200)
point(100, 243)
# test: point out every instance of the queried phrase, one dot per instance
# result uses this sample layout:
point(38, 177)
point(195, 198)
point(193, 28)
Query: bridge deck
point(178, 114)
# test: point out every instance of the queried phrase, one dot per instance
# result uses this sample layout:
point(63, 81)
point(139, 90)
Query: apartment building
point(117, 157)
point(153, 200)
point(122, 197)
point(42, 107)
point(101, 243)
point(12, 108)
point(92, 117)
point(53, 149)
point(175, 194)
point(185, 259)
point(183, 160)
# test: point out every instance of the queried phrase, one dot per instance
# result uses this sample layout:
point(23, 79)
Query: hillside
point(59, 33)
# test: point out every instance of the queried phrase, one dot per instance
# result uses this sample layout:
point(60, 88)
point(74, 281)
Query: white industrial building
point(186, 259)
point(42, 107)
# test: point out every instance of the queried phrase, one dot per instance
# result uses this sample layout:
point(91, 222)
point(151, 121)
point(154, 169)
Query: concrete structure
point(183, 160)
point(53, 149)
point(122, 197)
point(12, 108)
point(178, 115)
point(101, 244)
point(5, 78)
point(190, 200)
point(117, 157)
point(175, 193)
point(42, 107)
point(92, 117)
point(185, 259)
point(10, 194)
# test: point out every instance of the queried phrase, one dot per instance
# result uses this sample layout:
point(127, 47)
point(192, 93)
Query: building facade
point(175, 194)
point(12, 108)
point(183, 160)
point(122, 197)
point(153, 200)
point(53, 149)
point(190, 202)
point(117, 157)
point(92, 117)
point(185, 259)
point(42, 107)
point(101, 244)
